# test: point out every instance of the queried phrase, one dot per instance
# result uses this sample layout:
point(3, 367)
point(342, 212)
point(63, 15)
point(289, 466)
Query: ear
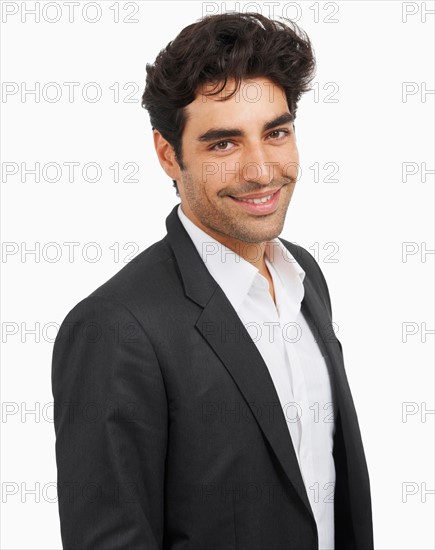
point(166, 155)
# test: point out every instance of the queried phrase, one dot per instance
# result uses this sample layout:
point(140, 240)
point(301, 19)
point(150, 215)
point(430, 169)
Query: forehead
point(256, 101)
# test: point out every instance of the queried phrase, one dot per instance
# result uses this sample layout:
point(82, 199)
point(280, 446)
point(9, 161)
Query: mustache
point(274, 186)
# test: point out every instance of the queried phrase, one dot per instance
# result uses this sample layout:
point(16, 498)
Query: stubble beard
point(226, 223)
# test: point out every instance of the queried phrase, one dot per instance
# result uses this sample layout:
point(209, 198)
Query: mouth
point(261, 206)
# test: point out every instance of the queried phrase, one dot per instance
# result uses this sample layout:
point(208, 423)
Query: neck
point(251, 252)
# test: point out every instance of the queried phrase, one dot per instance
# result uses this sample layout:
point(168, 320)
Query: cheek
point(290, 164)
point(227, 171)
point(217, 176)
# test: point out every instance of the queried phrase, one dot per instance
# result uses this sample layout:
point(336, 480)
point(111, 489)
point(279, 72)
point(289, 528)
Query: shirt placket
point(287, 312)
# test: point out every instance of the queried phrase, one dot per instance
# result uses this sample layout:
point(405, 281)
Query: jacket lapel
point(222, 328)
point(320, 323)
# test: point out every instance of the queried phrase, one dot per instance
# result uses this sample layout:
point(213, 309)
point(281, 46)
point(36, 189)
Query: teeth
point(257, 201)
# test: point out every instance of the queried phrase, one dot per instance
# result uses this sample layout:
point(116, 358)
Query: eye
point(274, 134)
point(221, 146)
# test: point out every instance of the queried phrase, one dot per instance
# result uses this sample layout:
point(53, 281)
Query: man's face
point(236, 148)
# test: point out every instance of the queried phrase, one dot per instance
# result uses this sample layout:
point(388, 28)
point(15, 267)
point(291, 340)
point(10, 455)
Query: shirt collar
point(232, 272)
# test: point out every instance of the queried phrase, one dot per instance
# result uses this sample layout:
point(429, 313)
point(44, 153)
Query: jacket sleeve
point(111, 430)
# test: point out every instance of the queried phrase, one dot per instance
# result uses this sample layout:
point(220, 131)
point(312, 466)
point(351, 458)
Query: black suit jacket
point(169, 430)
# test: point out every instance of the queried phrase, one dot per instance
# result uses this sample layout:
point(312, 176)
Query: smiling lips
point(256, 201)
point(255, 196)
point(259, 204)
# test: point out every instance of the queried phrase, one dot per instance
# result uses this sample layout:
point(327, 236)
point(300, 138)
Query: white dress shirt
point(292, 356)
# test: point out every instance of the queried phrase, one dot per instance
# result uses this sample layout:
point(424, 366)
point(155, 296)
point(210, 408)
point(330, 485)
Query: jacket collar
point(236, 276)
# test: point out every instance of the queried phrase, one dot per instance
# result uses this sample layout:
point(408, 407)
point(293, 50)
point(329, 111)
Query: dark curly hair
point(235, 46)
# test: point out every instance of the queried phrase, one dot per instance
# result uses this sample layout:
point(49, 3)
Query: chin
point(258, 237)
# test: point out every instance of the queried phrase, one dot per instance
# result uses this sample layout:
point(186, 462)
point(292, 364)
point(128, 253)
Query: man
point(201, 398)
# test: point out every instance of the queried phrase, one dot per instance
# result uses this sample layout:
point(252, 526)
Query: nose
point(256, 166)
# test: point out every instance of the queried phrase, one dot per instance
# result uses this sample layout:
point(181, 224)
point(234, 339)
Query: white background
point(369, 132)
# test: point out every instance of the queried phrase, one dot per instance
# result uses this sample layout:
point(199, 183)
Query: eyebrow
point(224, 133)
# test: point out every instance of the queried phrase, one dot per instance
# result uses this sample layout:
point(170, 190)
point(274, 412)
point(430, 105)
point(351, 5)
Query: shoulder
point(138, 290)
point(148, 270)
